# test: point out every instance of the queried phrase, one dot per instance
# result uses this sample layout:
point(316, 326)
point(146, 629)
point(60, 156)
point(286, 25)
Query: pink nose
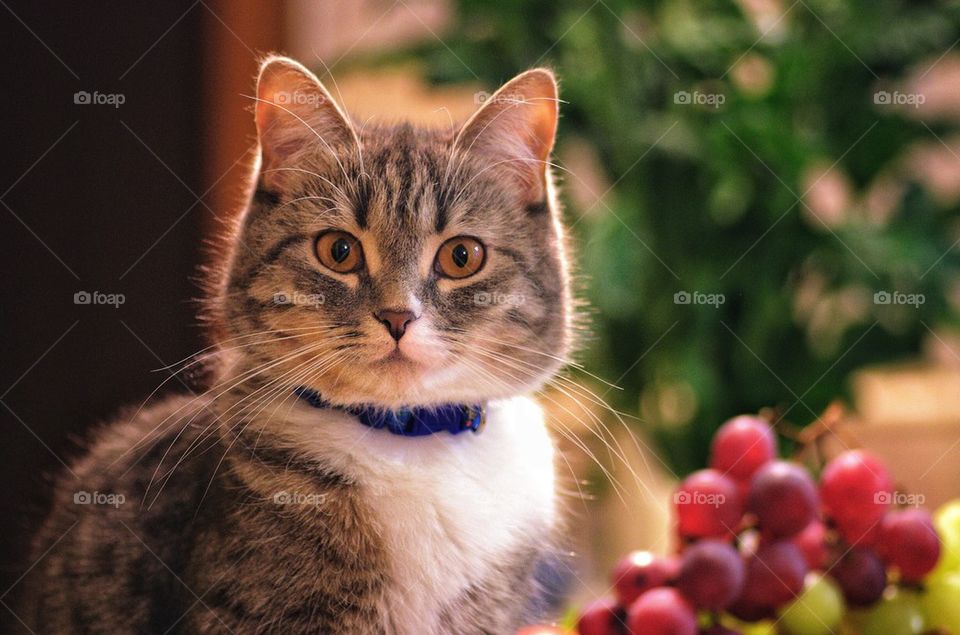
point(395, 321)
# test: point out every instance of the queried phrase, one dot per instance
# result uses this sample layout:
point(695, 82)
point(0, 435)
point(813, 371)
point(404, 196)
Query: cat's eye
point(460, 257)
point(339, 251)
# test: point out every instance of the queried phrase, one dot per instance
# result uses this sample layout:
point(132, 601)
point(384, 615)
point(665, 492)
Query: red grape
point(641, 571)
point(856, 485)
point(774, 576)
point(711, 575)
point(812, 542)
point(861, 576)
point(784, 499)
point(861, 531)
point(662, 611)
point(708, 505)
point(741, 446)
point(602, 617)
point(909, 542)
point(744, 609)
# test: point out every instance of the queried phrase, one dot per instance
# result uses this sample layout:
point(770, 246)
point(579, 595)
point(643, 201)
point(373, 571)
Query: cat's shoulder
point(140, 435)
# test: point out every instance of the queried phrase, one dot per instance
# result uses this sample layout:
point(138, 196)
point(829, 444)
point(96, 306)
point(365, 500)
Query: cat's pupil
point(340, 250)
point(460, 255)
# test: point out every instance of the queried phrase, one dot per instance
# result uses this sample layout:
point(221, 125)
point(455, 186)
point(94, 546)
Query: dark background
point(87, 206)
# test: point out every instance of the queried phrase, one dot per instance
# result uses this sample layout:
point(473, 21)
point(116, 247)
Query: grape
point(861, 576)
point(856, 485)
point(775, 576)
point(662, 611)
point(708, 505)
point(641, 571)
point(941, 603)
point(817, 611)
point(947, 522)
point(749, 611)
point(897, 614)
point(741, 446)
point(812, 542)
point(711, 575)
point(909, 543)
point(861, 531)
point(760, 628)
point(784, 499)
point(719, 629)
point(602, 617)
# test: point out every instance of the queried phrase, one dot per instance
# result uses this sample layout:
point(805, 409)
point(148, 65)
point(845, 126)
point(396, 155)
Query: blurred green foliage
point(707, 198)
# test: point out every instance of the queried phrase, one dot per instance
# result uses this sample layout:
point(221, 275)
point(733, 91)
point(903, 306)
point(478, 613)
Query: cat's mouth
point(399, 360)
point(397, 356)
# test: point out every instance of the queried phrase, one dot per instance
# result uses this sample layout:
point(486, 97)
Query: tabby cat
point(365, 458)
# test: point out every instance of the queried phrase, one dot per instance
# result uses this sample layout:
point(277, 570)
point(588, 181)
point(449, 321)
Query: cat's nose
point(395, 321)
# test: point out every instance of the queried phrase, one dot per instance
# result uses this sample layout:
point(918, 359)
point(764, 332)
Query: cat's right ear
point(295, 114)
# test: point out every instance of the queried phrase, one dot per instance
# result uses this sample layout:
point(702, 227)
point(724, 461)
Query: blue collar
point(407, 422)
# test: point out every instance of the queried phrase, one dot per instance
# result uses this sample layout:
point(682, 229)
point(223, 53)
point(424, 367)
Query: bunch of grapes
point(765, 549)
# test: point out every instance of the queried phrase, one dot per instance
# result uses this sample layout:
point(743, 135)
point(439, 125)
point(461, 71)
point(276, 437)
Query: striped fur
point(248, 511)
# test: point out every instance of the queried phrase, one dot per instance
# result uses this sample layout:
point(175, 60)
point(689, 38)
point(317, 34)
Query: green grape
point(898, 613)
point(941, 602)
point(816, 611)
point(853, 621)
point(765, 627)
point(947, 522)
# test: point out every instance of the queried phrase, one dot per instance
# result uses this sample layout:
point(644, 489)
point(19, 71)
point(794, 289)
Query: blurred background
point(763, 194)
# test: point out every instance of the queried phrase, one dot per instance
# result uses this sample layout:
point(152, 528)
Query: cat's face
point(399, 266)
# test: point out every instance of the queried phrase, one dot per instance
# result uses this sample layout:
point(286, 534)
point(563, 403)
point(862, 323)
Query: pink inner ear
point(295, 112)
point(514, 132)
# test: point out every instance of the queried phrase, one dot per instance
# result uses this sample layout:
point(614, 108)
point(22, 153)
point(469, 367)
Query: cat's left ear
point(295, 113)
point(514, 130)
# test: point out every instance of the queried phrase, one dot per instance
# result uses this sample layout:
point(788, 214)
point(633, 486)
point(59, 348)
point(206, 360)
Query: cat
point(380, 277)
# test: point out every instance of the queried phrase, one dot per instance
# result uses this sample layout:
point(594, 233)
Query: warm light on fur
point(438, 534)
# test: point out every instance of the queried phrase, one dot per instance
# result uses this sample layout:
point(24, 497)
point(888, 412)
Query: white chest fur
point(451, 507)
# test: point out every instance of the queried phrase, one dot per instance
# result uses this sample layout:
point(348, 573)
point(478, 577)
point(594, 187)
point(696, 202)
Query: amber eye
point(460, 257)
point(339, 251)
